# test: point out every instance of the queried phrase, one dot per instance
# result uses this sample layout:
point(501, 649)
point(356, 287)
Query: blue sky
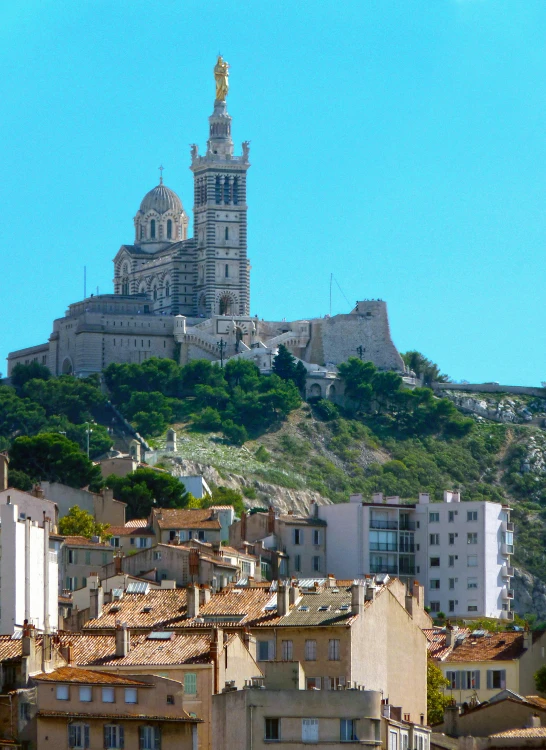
point(398, 145)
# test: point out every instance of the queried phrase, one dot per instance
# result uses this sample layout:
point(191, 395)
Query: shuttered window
point(78, 736)
point(114, 737)
point(309, 730)
point(310, 650)
point(496, 679)
point(149, 738)
point(190, 683)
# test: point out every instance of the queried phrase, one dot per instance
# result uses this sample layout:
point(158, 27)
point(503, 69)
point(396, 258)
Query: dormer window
point(152, 229)
point(169, 229)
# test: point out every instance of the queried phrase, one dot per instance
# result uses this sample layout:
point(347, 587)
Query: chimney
point(283, 599)
point(38, 492)
point(96, 599)
point(192, 599)
point(204, 594)
point(534, 722)
point(409, 603)
point(293, 594)
point(419, 593)
point(357, 498)
point(118, 564)
point(370, 591)
point(271, 520)
point(331, 582)
point(424, 498)
point(377, 497)
point(216, 648)
point(28, 640)
point(122, 640)
point(4, 461)
point(451, 720)
point(357, 598)
point(46, 650)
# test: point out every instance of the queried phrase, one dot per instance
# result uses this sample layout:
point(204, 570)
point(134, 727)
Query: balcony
point(376, 523)
point(507, 549)
point(406, 570)
point(383, 547)
point(386, 568)
point(506, 614)
point(406, 525)
point(406, 548)
point(507, 593)
point(507, 526)
point(507, 571)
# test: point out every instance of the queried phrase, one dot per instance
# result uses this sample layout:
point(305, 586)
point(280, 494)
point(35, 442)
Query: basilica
point(189, 297)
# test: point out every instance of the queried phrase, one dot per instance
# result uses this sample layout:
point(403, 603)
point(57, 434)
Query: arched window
point(152, 229)
point(226, 233)
point(227, 271)
point(169, 229)
point(167, 289)
point(235, 190)
point(155, 293)
point(125, 287)
point(218, 190)
point(141, 232)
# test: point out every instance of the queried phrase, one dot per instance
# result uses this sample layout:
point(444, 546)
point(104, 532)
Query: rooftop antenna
point(161, 168)
point(84, 282)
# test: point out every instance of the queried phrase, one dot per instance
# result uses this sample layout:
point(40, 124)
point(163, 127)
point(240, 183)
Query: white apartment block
point(459, 552)
point(28, 572)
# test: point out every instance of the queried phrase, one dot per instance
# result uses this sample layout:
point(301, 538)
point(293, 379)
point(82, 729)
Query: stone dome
point(161, 199)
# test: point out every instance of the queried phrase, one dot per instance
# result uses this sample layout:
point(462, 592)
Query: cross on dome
point(161, 168)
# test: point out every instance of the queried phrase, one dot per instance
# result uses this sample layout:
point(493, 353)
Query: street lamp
point(88, 432)
point(221, 345)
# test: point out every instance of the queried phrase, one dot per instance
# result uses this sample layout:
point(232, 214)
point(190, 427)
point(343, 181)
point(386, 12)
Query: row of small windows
point(153, 230)
point(141, 343)
point(226, 190)
point(125, 289)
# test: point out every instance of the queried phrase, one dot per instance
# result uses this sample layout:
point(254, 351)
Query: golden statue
point(221, 74)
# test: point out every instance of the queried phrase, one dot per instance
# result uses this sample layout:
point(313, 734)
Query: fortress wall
point(490, 388)
point(369, 328)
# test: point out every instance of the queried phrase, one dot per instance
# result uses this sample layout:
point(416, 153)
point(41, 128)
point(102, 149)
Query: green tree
point(358, 376)
point(436, 700)
point(20, 480)
point(142, 487)
point(424, 368)
point(19, 416)
point(78, 522)
point(286, 367)
point(540, 680)
point(242, 373)
point(23, 373)
point(54, 458)
point(235, 433)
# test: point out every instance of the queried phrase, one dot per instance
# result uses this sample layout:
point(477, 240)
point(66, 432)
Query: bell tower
point(220, 214)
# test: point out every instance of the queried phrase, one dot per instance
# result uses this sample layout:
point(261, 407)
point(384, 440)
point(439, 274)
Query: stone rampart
point(490, 388)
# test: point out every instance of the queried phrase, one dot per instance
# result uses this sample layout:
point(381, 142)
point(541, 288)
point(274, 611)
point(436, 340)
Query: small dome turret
point(161, 199)
point(160, 219)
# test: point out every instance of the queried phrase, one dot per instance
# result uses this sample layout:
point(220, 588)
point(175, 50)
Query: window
point(434, 539)
point(297, 562)
point(152, 229)
point(472, 607)
point(272, 729)
point(309, 730)
point(108, 695)
point(190, 683)
point(435, 606)
point(310, 650)
point(434, 583)
point(433, 517)
point(266, 650)
point(113, 736)
point(472, 561)
point(451, 605)
point(312, 683)
point(452, 678)
point(434, 562)
point(496, 679)
point(131, 695)
point(114, 540)
point(347, 730)
point(333, 649)
point(472, 538)
point(451, 515)
point(287, 650)
point(471, 583)
point(24, 711)
point(169, 229)
point(316, 537)
point(471, 515)
point(170, 700)
point(73, 556)
point(298, 536)
point(316, 564)
point(86, 694)
point(226, 235)
point(452, 560)
point(78, 735)
point(150, 738)
point(63, 692)
point(452, 583)
point(335, 682)
point(87, 557)
point(226, 272)
point(451, 538)
point(393, 740)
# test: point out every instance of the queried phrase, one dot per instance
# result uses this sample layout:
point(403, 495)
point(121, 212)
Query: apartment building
point(132, 536)
point(28, 570)
point(173, 524)
point(460, 552)
point(300, 540)
point(80, 558)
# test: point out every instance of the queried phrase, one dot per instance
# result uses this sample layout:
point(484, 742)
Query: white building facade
point(459, 552)
point(28, 573)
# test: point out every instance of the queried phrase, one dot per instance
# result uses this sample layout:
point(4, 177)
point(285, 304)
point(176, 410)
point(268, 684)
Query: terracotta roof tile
point(182, 717)
point(503, 646)
point(100, 650)
point(82, 541)
point(87, 677)
point(137, 523)
point(10, 648)
point(183, 518)
point(520, 734)
point(158, 608)
point(130, 531)
point(436, 641)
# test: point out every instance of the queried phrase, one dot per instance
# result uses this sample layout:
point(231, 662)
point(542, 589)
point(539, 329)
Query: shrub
point(262, 454)
point(235, 433)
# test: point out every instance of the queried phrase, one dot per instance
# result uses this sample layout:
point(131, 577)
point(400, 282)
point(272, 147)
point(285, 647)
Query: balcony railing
point(507, 593)
point(376, 523)
point(387, 568)
point(507, 526)
point(406, 548)
point(406, 525)
point(507, 571)
point(507, 549)
point(506, 614)
point(383, 547)
point(406, 570)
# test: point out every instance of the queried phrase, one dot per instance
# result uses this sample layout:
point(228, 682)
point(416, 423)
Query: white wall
point(344, 539)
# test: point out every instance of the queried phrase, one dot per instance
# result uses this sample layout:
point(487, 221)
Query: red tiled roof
point(504, 646)
point(82, 541)
point(520, 734)
point(87, 677)
point(166, 607)
point(130, 531)
point(137, 523)
point(436, 641)
point(183, 518)
point(182, 717)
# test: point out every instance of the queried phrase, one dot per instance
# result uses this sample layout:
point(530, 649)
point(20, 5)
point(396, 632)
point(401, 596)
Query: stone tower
point(220, 220)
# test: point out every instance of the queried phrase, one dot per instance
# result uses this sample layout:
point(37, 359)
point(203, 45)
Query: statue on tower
point(221, 75)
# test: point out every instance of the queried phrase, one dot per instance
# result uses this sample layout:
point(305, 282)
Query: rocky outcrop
point(529, 594)
point(281, 498)
point(507, 409)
